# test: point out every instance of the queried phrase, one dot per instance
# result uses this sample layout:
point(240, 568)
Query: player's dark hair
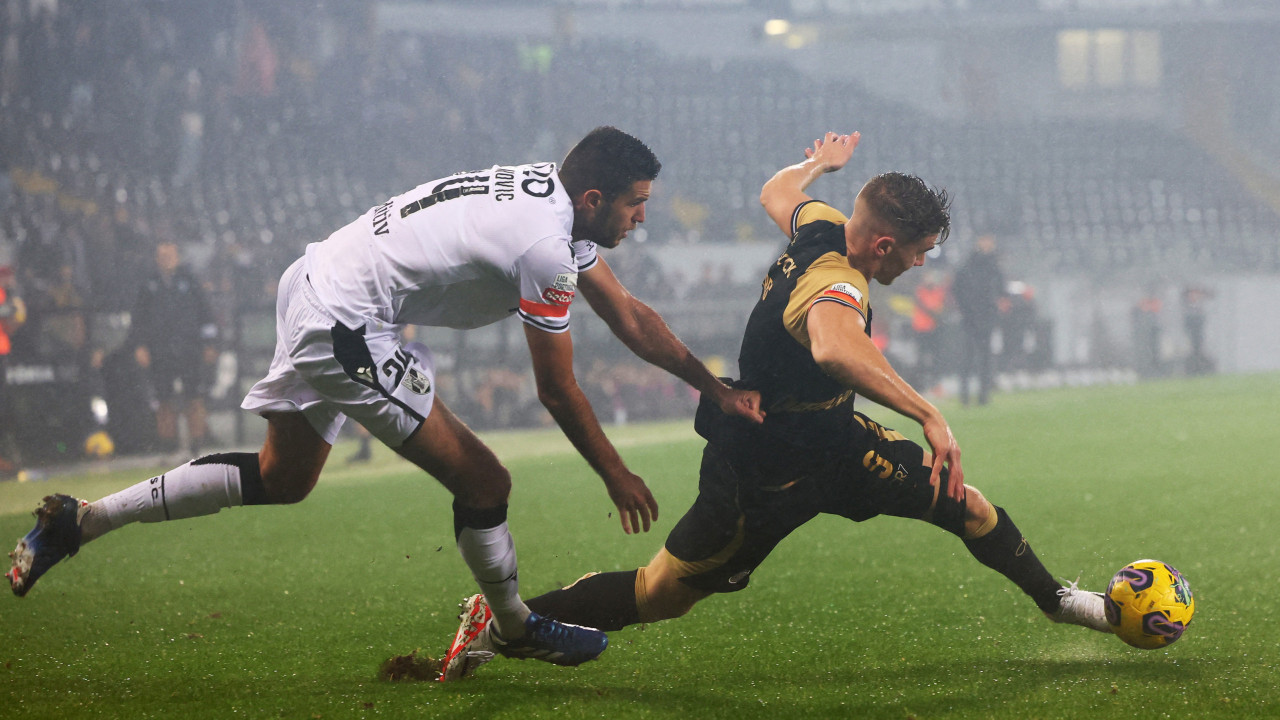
point(909, 208)
point(608, 160)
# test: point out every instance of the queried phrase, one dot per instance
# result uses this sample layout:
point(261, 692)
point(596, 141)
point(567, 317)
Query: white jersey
point(461, 252)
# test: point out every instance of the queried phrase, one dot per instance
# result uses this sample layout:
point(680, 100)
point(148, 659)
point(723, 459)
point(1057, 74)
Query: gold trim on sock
point(987, 525)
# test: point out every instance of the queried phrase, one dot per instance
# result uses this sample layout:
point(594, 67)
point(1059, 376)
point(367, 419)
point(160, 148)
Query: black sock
point(1006, 551)
point(605, 602)
point(252, 491)
point(465, 517)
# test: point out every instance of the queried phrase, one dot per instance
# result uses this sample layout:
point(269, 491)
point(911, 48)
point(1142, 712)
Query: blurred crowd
point(232, 134)
point(213, 141)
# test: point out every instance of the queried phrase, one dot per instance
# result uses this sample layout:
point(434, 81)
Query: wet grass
point(290, 611)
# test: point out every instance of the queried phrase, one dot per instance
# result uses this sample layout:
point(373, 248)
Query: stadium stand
point(234, 133)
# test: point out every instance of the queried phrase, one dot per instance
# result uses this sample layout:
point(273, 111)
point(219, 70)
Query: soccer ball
point(1149, 604)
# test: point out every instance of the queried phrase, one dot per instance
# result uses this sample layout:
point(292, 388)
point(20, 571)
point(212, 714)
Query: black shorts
point(748, 502)
point(179, 378)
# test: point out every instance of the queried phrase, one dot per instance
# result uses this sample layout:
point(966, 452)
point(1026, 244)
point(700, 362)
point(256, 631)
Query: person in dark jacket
point(173, 335)
point(978, 289)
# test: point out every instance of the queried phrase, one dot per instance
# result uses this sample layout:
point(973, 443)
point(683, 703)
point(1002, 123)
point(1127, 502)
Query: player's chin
point(888, 278)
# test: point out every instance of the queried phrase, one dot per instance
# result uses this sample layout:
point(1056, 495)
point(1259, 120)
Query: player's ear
point(589, 200)
point(883, 244)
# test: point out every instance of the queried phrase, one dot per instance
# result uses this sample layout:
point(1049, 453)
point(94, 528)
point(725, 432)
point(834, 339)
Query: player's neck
point(860, 252)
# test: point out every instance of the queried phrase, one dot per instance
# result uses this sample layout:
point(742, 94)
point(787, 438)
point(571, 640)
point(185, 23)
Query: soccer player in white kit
point(462, 252)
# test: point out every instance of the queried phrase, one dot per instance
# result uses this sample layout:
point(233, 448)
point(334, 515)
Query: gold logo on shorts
point(877, 465)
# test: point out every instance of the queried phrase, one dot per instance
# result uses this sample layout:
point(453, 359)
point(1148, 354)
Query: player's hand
point(946, 452)
point(833, 150)
point(635, 503)
point(743, 403)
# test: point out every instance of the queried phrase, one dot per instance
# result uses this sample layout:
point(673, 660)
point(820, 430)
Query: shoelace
point(1072, 586)
point(549, 632)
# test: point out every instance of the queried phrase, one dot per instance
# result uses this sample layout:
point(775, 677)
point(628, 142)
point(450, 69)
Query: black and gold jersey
point(804, 406)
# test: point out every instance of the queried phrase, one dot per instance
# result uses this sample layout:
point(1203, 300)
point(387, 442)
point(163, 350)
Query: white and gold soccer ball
point(1149, 604)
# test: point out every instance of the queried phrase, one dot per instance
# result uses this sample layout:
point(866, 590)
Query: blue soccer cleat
point(55, 536)
point(551, 641)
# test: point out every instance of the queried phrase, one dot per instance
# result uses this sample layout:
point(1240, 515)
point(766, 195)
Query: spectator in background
point(64, 327)
point(978, 288)
point(1146, 332)
point(1194, 316)
point(1018, 326)
point(173, 336)
point(13, 313)
point(926, 324)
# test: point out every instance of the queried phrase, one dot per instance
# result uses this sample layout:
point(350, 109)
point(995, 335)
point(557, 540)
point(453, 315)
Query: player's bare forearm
point(869, 374)
point(844, 351)
point(786, 189)
point(647, 335)
point(637, 508)
point(572, 411)
point(559, 392)
point(643, 330)
point(875, 379)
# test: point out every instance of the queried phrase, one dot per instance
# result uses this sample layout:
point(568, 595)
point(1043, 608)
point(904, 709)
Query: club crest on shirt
point(415, 381)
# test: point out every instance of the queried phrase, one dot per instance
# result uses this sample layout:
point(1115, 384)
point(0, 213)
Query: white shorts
point(328, 371)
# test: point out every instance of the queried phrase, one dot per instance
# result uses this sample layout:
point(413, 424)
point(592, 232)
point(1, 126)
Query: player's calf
point(201, 487)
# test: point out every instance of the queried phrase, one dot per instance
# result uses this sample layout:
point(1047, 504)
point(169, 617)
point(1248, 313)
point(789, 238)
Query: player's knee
point(668, 608)
point(661, 596)
point(488, 488)
point(665, 605)
point(980, 514)
point(283, 482)
point(286, 486)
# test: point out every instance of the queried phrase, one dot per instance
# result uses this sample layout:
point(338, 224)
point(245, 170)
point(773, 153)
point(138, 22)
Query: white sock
point(190, 490)
point(491, 555)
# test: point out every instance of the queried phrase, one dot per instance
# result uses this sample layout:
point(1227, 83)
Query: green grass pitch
point(288, 611)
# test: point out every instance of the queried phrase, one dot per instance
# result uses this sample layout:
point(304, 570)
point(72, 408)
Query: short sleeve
point(811, 210)
point(584, 254)
point(828, 279)
point(548, 282)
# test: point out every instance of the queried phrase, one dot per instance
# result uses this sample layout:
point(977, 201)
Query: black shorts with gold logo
point(753, 494)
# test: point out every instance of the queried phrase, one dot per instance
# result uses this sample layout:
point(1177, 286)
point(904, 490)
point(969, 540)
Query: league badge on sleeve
point(846, 293)
point(562, 289)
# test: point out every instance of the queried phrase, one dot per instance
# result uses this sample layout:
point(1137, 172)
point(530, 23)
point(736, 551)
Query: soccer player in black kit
point(807, 350)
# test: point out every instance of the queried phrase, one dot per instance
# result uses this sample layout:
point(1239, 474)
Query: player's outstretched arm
point(558, 390)
point(842, 349)
point(646, 334)
point(786, 189)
